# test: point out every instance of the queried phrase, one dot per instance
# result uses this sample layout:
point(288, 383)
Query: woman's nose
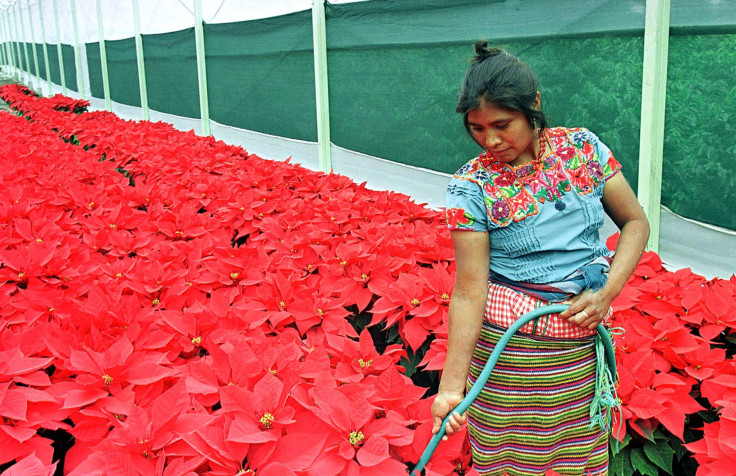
point(492, 140)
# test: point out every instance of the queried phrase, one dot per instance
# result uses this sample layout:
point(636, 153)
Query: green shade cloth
point(122, 70)
point(260, 75)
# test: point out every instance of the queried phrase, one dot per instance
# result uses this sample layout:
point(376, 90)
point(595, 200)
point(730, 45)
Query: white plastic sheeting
point(157, 16)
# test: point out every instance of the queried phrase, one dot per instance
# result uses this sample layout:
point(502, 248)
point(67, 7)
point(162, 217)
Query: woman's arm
point(467, 307)
point(620, 203)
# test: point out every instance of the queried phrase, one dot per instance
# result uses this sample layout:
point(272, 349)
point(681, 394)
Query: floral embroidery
point(458, 218)
point(512, 194)
point(500, 210)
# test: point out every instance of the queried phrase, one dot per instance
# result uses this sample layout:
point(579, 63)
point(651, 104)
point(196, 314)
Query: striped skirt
point(533, 414)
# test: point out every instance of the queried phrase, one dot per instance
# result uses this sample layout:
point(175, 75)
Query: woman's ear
point(537, 101)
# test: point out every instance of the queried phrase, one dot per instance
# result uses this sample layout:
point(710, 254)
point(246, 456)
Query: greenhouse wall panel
point(171, 73)
point(260, 75)
point(699, 170)
point(123, 71)
point(39, 54)
point(70, 72)
point(405, 62)
point(94, 67)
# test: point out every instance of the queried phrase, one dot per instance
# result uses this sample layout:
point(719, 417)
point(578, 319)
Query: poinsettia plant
point(172, 304)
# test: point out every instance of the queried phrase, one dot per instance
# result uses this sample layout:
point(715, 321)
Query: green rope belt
point(605, 391)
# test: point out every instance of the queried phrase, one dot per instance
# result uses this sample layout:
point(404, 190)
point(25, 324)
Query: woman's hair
point(501, 78)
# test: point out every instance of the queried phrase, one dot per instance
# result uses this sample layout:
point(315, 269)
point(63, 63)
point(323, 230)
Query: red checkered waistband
point(505, 306)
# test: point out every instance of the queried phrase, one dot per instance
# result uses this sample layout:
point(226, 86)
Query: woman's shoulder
point(561, 136)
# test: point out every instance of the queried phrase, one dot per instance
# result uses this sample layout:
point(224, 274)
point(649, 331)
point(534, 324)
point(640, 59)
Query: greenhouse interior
point(223, 240)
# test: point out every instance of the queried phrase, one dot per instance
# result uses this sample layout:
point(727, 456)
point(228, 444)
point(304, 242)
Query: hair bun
point(483, 51)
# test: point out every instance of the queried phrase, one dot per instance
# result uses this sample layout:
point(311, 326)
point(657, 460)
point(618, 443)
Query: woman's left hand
point(587, 309)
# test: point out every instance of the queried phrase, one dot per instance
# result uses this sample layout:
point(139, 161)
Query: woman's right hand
point(443, 403)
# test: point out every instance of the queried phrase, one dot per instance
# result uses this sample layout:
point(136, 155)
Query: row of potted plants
point(206, 311)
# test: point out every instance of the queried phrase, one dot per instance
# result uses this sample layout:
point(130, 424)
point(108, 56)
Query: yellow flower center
point(273, 371)
point(91, 204)
point(266, 420)
point(112, 225)
point(320, 312)
point(356, 437)
point(20, 275)
point(234, 276)
point(445, 296)
point(39, 240)
point(416, 302)
point(156, 302)
point(365, 364)
point(282, 304)
point(364, 276)
point(119, 275)
point(107, 379)
point(197, 340)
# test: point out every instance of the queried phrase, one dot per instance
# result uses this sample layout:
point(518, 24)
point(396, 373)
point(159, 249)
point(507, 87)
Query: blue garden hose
point(491, 363)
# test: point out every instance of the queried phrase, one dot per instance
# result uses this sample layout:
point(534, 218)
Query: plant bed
point(175, 305)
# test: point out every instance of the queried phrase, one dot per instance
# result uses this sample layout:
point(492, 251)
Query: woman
point(524, 218)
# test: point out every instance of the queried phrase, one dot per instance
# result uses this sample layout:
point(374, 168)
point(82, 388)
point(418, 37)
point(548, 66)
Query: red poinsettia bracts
point(179, 306)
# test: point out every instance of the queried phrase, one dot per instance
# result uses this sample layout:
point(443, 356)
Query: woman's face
point(503, 133)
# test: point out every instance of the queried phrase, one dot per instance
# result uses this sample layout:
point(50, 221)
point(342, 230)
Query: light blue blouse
point(543, 217)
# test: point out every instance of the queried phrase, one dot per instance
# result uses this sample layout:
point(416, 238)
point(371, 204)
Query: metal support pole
point(319, 39)
point(9, 45)
point(45, 48)
point(141, 63)
point(654, 94)
point(103, 57)
point(77, 49)
point(33, 46)
point(201, 68)
point(18, 56)
point(3, 41)
point(22, 32)
point(59, 50)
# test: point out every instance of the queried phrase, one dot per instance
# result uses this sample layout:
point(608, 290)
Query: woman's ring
point(585, 314)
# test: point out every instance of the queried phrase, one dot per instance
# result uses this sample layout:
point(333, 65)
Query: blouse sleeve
point(608, 162)
point(466, 209)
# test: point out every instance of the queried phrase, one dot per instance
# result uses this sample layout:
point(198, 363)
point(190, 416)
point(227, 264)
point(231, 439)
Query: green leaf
point(620, 465)
point(675, 442)
point(640, 463)
point(613, 444)
point(658, 434)
point(393, 335)
point(708, 416)
point(660, 454)
point(409, 365)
